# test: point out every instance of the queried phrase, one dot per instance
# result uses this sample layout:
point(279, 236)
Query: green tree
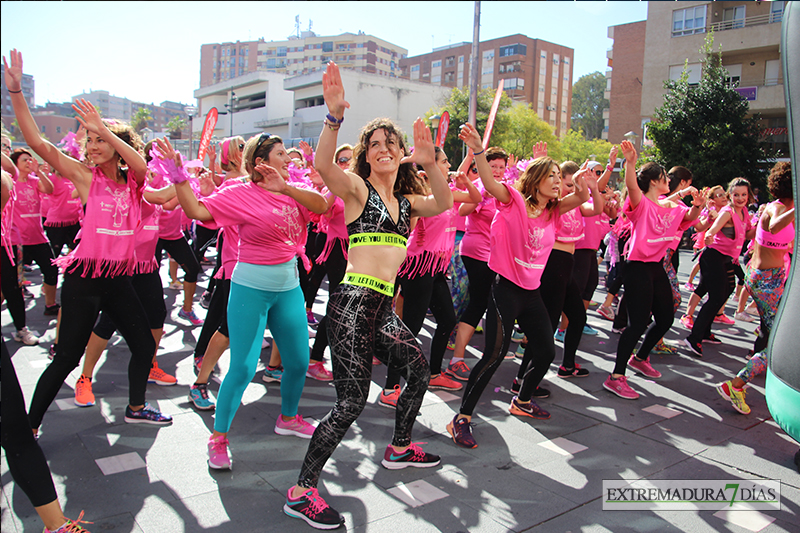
point(524, 128)
point(574, 147)
point(176, 126)
point(457, 104)
point(706, 127)
point(141, 118)
point(588, 103)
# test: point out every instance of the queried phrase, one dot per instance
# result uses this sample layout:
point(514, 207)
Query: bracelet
point(333, 127)
point(479, 153)
point(333, 119)
point(14, 92)
point(610, 168)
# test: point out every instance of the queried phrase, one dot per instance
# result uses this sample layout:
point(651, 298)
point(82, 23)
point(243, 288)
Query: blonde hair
point(528, 183)
point(234, 153)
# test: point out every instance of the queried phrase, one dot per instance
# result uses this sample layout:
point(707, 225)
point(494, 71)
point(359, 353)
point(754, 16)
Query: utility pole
point(474, 68)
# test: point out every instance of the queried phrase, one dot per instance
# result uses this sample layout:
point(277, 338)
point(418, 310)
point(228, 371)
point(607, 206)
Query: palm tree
point(141, 118)
point(176, 126)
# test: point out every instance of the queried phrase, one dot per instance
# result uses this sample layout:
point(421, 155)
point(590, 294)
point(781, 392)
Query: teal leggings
point(249, 312)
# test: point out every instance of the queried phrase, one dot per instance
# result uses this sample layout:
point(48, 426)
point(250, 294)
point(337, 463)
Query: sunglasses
point(474, 170)
point(598, 172)
point(719, 195)
point(343, 160)
point(261, 138)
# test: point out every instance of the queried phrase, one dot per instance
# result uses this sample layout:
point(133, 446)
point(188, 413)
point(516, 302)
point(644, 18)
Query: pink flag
point(444, 124)
point(208, 131)
point(490, 123)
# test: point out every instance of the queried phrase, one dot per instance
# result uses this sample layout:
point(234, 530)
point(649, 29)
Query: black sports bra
point(375, 225)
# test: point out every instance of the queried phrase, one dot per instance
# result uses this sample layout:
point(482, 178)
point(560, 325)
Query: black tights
point(82, 299)
point(335, 266)
point(26, 462)
point(12, 291)
point(480, 284)
point(509, 302)
point(647, 290)
point(718, 278)
point(361, 324)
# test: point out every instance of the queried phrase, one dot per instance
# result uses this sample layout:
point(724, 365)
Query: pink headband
point(225, 144)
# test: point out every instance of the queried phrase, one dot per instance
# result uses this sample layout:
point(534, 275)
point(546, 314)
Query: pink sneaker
point(620, 387)
point(724, 319)
point(319, 372)
point(191, 317)
point(296, 426)
point(219, 457)
point(643, 367)
point(687, 321)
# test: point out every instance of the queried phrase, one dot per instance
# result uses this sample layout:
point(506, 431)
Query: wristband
point(610, 168)
point(176, 175)
point(479, 153)
point(333, 127)
point(333, 119)
point(15, 92)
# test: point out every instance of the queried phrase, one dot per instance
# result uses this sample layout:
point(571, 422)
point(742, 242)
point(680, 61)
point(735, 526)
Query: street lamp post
point(435, 119)
point(631, 136)
point(230, 110)
point(191, 111)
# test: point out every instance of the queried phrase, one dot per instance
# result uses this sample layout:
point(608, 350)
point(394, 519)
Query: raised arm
point(778, 222)
point(274, 182)
point(598, 200)
point(581, 194)
point(634, 192)
point(472, 138)
point(612, 161)
point(8, 164)
point(159, 196)
point(44, 184)
point(424, 155)
point(68, 167)
point(191, 206)
point(471, 195)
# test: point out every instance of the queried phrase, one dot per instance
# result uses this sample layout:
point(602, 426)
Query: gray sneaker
point(458, 369)
point(26, 337)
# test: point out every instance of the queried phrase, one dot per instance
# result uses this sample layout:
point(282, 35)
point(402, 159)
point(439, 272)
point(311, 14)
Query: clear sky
point(150, 51)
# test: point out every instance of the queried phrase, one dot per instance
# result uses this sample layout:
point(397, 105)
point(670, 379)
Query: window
point(513, 49)
point(487, 70)
point(58, 129)
point(436, 64)
point(689, 21)
point(486, 86)
point(436, 79)
point(694, 69)
point(450, 61)
point(543, 55)
point(541, 88)
point(414, 68)
point(460, 59)
point(271, 62)
point(448, 77)
point(734, 75)
point(281, 51)
point(566, 61)
point(733, 17)
point(776, 11)
point(556, 57)
point(488, 56)
point(513, 83)
point(327, 46)
point(772, 72)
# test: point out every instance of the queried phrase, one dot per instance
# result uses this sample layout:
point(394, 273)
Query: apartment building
point(749, 34)
point(222, 62)
point(532, 71)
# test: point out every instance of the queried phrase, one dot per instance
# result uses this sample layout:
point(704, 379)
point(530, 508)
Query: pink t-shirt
point(595, 229)
point(654, 227)
point(272, 227)
point(27, 213)
point(5, 223)
point(169, 224)
point(475, 243)
point(520, 244)
point(230, 241)
point(732, 247)
point(570, 226)
point(64, 209)
point(113, 212)
point(147, 239)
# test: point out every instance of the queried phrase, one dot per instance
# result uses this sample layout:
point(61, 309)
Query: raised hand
point(45, 168)
point(88, 116)
point(167, 152)
point(211, 151)
point(272, 181)
point(206, 180)
point(307, 150)
point(315, 178)
point(612, 156)
point(13, 73)
point(512, 160)
point(698, 198)
point(628, 151)
point(424, 153)
point(582, 176)
point(540, 150)
point(470, 136)
point(333, 91)
point(462, 180)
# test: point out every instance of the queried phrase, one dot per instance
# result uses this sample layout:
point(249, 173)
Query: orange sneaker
point(83, 392)
point(159, 377)
point(444, 383)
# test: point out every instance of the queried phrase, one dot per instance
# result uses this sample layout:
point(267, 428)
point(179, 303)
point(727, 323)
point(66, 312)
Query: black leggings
point(42, 255)
point(560, 292)
point(647, 290)
point(12, 291)
point(151, 294)
point(420, 293)
point(182, 253)
point(335, 266)
point(203, 236)
point(61, 235)
point(82, 299)
point(361, 324)
point(509, 302)
point(585, 272)
point(719, 279)
point(216, 317)
point(318, 270)
point(26, 462)
point(480, 285)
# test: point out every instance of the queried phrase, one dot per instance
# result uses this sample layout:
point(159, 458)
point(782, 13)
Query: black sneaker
point(695, 347)
point(312, 508)
point(576, 372)
point(538, 393)
point(205, 300)
point(712, 339)
point(515, 386)
point(51, 310)
point(413, 456)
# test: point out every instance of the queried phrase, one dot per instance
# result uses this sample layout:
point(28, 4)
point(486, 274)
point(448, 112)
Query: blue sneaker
point(559, 336)
point(272, 375)
point(589, 330)
point(517, 336)
point(198, 395)
point(147, 415)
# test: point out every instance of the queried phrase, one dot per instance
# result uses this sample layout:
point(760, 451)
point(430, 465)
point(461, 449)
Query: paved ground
point(525, 475)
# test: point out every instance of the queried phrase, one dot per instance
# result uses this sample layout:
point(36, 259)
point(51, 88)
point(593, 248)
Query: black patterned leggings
point(361, 324)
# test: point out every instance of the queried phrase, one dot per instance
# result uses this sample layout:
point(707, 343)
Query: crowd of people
point(509, 244)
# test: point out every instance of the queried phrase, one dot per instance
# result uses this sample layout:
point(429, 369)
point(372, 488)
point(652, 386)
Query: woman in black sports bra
point(379, 197)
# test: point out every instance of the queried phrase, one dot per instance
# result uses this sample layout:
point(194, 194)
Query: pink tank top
point(430, 245)
point(654, 227)
point(64, 209)
point(27, 219)
point(113, 212)
point(147, 239)
point(570, 226)
point(333, 226)
point(475, 243)
point(778, 241)
point(732, 247)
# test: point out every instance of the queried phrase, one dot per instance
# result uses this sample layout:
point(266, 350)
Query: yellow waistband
point(375, 239)
point(370, 282)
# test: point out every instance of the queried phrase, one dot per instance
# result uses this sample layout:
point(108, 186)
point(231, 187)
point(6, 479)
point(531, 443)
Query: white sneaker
point(744, 317)
point(26, 337)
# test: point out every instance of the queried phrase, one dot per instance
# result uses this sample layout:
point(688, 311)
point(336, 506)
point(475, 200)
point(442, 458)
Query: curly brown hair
point(536, 172)
point(779, 182)
point(125, 132)
point(407, 181)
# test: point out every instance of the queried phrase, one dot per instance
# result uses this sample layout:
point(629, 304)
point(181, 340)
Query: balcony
point(736, 24)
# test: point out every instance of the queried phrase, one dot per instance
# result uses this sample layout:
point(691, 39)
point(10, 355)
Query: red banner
point(444, 124)
point(490, 123)
point(208, 131)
